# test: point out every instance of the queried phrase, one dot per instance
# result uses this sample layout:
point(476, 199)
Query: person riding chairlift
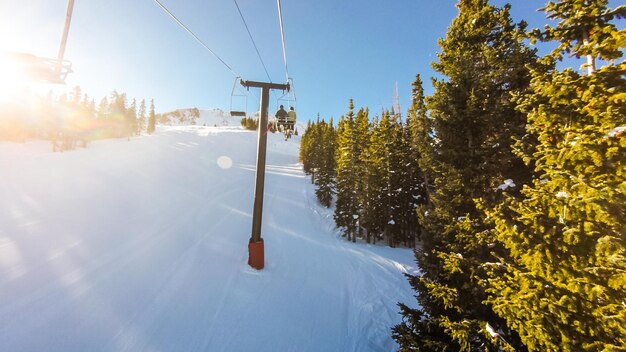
point(291, 118)
point(281, 116)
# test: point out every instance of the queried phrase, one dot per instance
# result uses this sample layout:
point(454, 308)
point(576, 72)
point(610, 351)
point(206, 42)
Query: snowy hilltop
point(197, 117)
point(141, 244)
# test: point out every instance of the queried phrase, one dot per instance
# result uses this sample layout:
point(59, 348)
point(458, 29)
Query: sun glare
point(12, 74)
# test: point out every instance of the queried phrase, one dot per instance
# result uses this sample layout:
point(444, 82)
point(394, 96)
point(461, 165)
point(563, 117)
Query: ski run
point(141, 245)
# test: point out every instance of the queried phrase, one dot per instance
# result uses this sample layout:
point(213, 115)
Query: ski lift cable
point(252, 39)
point(282, 35)
point(291, 91)
point(195, 36)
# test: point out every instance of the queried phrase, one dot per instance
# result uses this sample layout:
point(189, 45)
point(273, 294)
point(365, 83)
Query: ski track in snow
point(141, 245)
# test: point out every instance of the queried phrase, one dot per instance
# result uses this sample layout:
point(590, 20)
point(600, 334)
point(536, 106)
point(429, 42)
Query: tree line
point(74, 116)
point(368, 166)
point(516, 168)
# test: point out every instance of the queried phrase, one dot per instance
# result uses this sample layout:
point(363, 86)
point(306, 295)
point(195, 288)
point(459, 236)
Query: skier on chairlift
point(281, 117)
point(291, 118)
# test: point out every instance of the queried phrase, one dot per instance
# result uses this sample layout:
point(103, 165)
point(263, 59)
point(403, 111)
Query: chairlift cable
point(282, 35)
point(195, 36)
point(252, 39)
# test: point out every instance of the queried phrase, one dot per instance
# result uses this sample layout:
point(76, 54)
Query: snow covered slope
point(141, 245)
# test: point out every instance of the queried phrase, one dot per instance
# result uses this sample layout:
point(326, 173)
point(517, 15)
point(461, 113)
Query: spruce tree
point(326, 161)
point(359, 150)
point(141, 121)
point(376, 214)
point(347, 206)
point(398, 202)
point(103, 108)
point(151, 118)
point(131, 118)
point(304, 148)
point(562, 283)
point(421, 140)
point(472, 119)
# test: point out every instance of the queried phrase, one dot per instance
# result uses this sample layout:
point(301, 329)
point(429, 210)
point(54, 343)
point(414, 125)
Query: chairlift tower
point(66, 30)
point(256, 250)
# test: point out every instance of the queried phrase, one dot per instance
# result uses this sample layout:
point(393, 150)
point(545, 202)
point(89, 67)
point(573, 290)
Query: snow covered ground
point(141, 245)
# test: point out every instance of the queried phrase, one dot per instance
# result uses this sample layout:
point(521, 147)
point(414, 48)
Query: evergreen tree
point(103, 108)
point(75, 96)
point(326, 171)
point(141, 121)
point(421, 140)
point(376, 214)
point(406, 185)
point(131, 118)
point(151, 118)
point(562, 283)
point(304, 148)
point(473, 120)
point(398, 202)
point(347, 206)
point(314, 150)
point(117, 113)
point(359, 150)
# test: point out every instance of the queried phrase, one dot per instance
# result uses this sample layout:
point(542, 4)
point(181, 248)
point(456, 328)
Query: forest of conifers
point(509, 181)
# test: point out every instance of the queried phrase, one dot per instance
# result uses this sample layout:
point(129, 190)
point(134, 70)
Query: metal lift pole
point(66, 30)
point(256, 256)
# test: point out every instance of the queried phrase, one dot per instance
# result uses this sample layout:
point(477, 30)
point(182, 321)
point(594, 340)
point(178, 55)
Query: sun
point(13, 75)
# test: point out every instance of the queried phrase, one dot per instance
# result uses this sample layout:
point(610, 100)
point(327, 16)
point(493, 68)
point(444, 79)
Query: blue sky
point(336, 50)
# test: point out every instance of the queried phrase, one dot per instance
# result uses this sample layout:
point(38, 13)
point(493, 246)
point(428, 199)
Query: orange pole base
point(256, 255)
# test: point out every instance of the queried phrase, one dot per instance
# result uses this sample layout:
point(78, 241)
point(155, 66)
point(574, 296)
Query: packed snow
point(617, 132)
point(141, 245)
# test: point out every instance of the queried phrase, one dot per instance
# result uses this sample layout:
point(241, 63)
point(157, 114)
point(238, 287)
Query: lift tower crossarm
point(255, 84)
point(256, 256)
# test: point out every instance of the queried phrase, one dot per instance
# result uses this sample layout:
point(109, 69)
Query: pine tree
point(304, 148)
point(408, 190)
point(326, 169)
point(472, 121)
point(151, 118)
point(397, 188)
point(376, 214)
point(421, 140)
point(359, 149)
point(562, 283)
point(141, 120)
point(347, 206)
point(131, 118)
point(75, 96)
point(103, 108)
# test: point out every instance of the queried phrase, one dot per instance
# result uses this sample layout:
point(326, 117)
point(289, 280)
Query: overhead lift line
point(195, 36)
point(282, 35)
point(252, 39)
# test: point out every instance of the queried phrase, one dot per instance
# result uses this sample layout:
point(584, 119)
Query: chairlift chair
point(236, 92)
point(287, 98)
point(41, 69)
